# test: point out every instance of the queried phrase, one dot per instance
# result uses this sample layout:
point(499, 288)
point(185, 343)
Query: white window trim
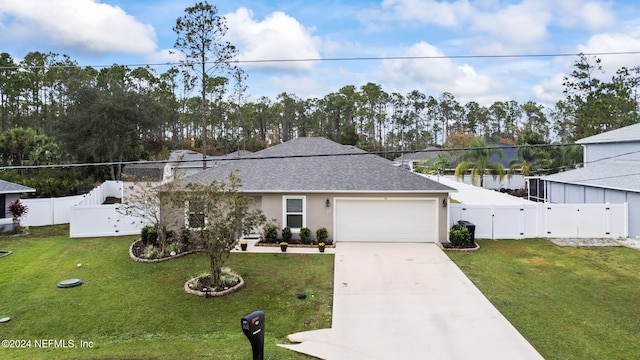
point(304, 211)
point(186, 218)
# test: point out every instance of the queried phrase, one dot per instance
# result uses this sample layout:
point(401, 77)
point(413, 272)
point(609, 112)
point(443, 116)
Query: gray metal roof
point(625, 134)
point(619, 175)
point(317, 165)
point(12, 188)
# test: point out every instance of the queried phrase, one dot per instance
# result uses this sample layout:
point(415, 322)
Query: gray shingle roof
point(625, 134)
point(290, 167)
point(12, 188)
point(429, 153)
point(622, 175)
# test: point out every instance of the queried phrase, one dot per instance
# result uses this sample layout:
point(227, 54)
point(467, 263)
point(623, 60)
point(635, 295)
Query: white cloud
point(518, 25)
point(278, 36)
point(435, 75)
point(430, 11)
point(614, 42)
point(89, 25)
point(590, 15)
point(550, 90)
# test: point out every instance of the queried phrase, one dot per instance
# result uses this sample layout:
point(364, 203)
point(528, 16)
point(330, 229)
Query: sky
point(459, 41)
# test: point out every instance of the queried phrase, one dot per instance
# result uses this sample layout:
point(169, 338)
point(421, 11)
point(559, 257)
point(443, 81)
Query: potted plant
point(283, 246)
point(305, 235)
point(322, 234)
point(17, 210)
point(321, 246)
point(243, 245)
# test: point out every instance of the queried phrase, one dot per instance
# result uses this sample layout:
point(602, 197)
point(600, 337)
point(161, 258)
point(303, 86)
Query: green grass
point(134, 310)
point(570, 303)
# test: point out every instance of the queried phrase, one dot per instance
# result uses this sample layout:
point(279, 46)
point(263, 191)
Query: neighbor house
point(410, 161)
point(10, 192)
point(611, 174)
point(355, 195)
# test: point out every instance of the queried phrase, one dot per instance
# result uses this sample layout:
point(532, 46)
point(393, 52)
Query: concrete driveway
point(409, 301)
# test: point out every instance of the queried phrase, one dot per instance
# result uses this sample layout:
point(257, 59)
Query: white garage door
point(386, 220)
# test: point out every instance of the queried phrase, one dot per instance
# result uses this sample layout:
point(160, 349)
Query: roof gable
point(625, 134)
point(317, 165)
point(7, 187)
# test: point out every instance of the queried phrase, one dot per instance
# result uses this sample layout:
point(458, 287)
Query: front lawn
point(134, 310)
point(570, 303)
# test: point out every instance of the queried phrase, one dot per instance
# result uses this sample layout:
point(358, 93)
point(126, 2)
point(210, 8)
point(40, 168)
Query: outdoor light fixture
point(444, 203)
point(327, 203)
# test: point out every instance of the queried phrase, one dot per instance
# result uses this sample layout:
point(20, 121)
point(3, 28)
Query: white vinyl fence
point(49, 211)
point(544, 220)
point(90, 217)
point(85, 214)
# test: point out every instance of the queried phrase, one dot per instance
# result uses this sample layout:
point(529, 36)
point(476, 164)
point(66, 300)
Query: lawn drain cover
point(69, 283)
point(5, 253)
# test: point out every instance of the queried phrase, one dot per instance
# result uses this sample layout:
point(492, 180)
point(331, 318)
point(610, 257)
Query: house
point(10, 192)
point(355, 195)
point(410, 161)
point(611, 174)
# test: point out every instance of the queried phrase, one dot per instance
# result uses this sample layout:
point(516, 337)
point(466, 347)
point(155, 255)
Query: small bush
point(228, 277)
point(322, 234)
point(151, 252)
point(149, 235)
point(286, 234)
point(270, 234)
point(176, 247)
point(459, 235)
point(305, 235)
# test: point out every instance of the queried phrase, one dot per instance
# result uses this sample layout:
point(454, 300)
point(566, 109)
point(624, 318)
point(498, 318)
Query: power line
point(336, 59)
point(249, 157)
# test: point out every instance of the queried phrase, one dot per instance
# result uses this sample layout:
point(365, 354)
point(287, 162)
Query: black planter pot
point(283, 248)
point(243, 247)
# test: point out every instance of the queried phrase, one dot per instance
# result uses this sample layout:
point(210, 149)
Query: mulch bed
point(449, 246)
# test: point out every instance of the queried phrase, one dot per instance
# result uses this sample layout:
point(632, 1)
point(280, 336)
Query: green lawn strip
point(570, 303)
point(136, 310)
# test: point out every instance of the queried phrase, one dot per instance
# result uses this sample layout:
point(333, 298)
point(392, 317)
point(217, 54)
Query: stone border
point(460, 249)
point(191, 291)
point(143, 260)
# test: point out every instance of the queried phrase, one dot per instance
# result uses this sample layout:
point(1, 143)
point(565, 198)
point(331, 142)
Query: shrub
point(151, 252)
point(149, 235)
point(176, 247)
point(305, 235)
point(286, 234)
point(322, 234)
point(228, 277)
point(459, 235)
point(270, 233)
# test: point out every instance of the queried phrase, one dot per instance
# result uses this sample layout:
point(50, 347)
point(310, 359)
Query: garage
point(386, 219)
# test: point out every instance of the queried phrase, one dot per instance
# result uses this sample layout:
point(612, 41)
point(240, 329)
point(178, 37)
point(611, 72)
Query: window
point(294, 209)
point(194, 217)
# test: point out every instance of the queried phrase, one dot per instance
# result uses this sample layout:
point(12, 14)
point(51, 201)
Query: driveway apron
point(409, 301)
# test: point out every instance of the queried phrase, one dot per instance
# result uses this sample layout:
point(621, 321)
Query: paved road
point(409, 301)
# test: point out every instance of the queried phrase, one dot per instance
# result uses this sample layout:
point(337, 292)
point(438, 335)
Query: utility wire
point(249, 157)
point(336, 59)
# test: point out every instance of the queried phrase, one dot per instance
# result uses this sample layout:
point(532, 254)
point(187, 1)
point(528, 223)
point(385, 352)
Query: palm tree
point(528, 160)
point(476, 160)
